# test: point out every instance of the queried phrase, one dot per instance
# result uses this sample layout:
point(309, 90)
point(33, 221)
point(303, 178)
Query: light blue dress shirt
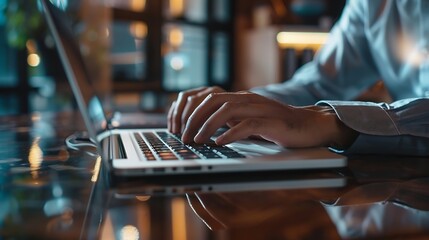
point(373, 40)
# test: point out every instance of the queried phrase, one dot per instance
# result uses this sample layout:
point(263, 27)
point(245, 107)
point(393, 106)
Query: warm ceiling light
point(138, 5)
point(302, 40)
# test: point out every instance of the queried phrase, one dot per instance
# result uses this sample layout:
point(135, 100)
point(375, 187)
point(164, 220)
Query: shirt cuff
point(367, 118)
point(364, 117)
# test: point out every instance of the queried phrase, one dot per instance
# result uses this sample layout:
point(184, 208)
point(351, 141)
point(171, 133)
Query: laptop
point(155, 151)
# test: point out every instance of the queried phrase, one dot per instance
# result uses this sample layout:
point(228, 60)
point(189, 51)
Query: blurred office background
point(142, 52)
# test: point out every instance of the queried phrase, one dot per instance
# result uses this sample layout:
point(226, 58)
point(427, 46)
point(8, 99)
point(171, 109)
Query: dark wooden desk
point(48, 191)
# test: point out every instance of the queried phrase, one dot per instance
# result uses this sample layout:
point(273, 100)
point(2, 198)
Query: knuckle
point(216, 89)
point(191, 99)
point(181, 95)
point(190, 120)
point(211, 96)
point(184, 94)
point(228, 106)
point(245, 92)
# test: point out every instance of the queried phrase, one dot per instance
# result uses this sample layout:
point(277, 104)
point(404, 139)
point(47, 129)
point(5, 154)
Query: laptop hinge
point(118, 150)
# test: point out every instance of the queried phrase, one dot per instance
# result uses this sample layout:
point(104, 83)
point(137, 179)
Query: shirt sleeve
point(400, 128)
point(341, 70)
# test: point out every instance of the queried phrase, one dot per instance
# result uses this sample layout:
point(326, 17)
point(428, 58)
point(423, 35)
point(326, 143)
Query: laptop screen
point(77, 74)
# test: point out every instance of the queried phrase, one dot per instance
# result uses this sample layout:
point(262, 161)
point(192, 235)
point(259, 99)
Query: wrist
point(342, 136)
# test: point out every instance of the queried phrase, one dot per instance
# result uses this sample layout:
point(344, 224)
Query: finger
point(194, 101)
point(244, 129)
point(268, 129)
point(231, 111)
point(170, 116)
point(179, 106)
point(210, 105)
point(232, 123)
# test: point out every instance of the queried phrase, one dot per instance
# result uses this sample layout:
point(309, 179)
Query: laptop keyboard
point(163, 145)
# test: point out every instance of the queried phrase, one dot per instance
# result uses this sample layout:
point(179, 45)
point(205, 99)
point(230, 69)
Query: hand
point(249, 114)
point(185, 104)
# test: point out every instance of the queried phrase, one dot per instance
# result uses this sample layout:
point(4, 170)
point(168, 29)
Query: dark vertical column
point(209, 43)
point(290, 63)
point(154, 46)
point(231, 33)
point(23, 88)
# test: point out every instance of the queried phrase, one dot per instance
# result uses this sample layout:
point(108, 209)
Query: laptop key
point(212, 156)
point(190, 157)
point(147, 153)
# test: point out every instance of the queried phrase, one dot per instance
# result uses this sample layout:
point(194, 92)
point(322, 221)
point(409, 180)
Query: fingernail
point(219, 140)
point(198, 139)
point(185, 138)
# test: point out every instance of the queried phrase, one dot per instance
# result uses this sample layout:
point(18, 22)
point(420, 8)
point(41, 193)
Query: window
point(185, 61)
point(128, 55)
point(170, 45)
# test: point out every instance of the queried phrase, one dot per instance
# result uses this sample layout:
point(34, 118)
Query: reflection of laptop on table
point(223, 183)
point(145, 152)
